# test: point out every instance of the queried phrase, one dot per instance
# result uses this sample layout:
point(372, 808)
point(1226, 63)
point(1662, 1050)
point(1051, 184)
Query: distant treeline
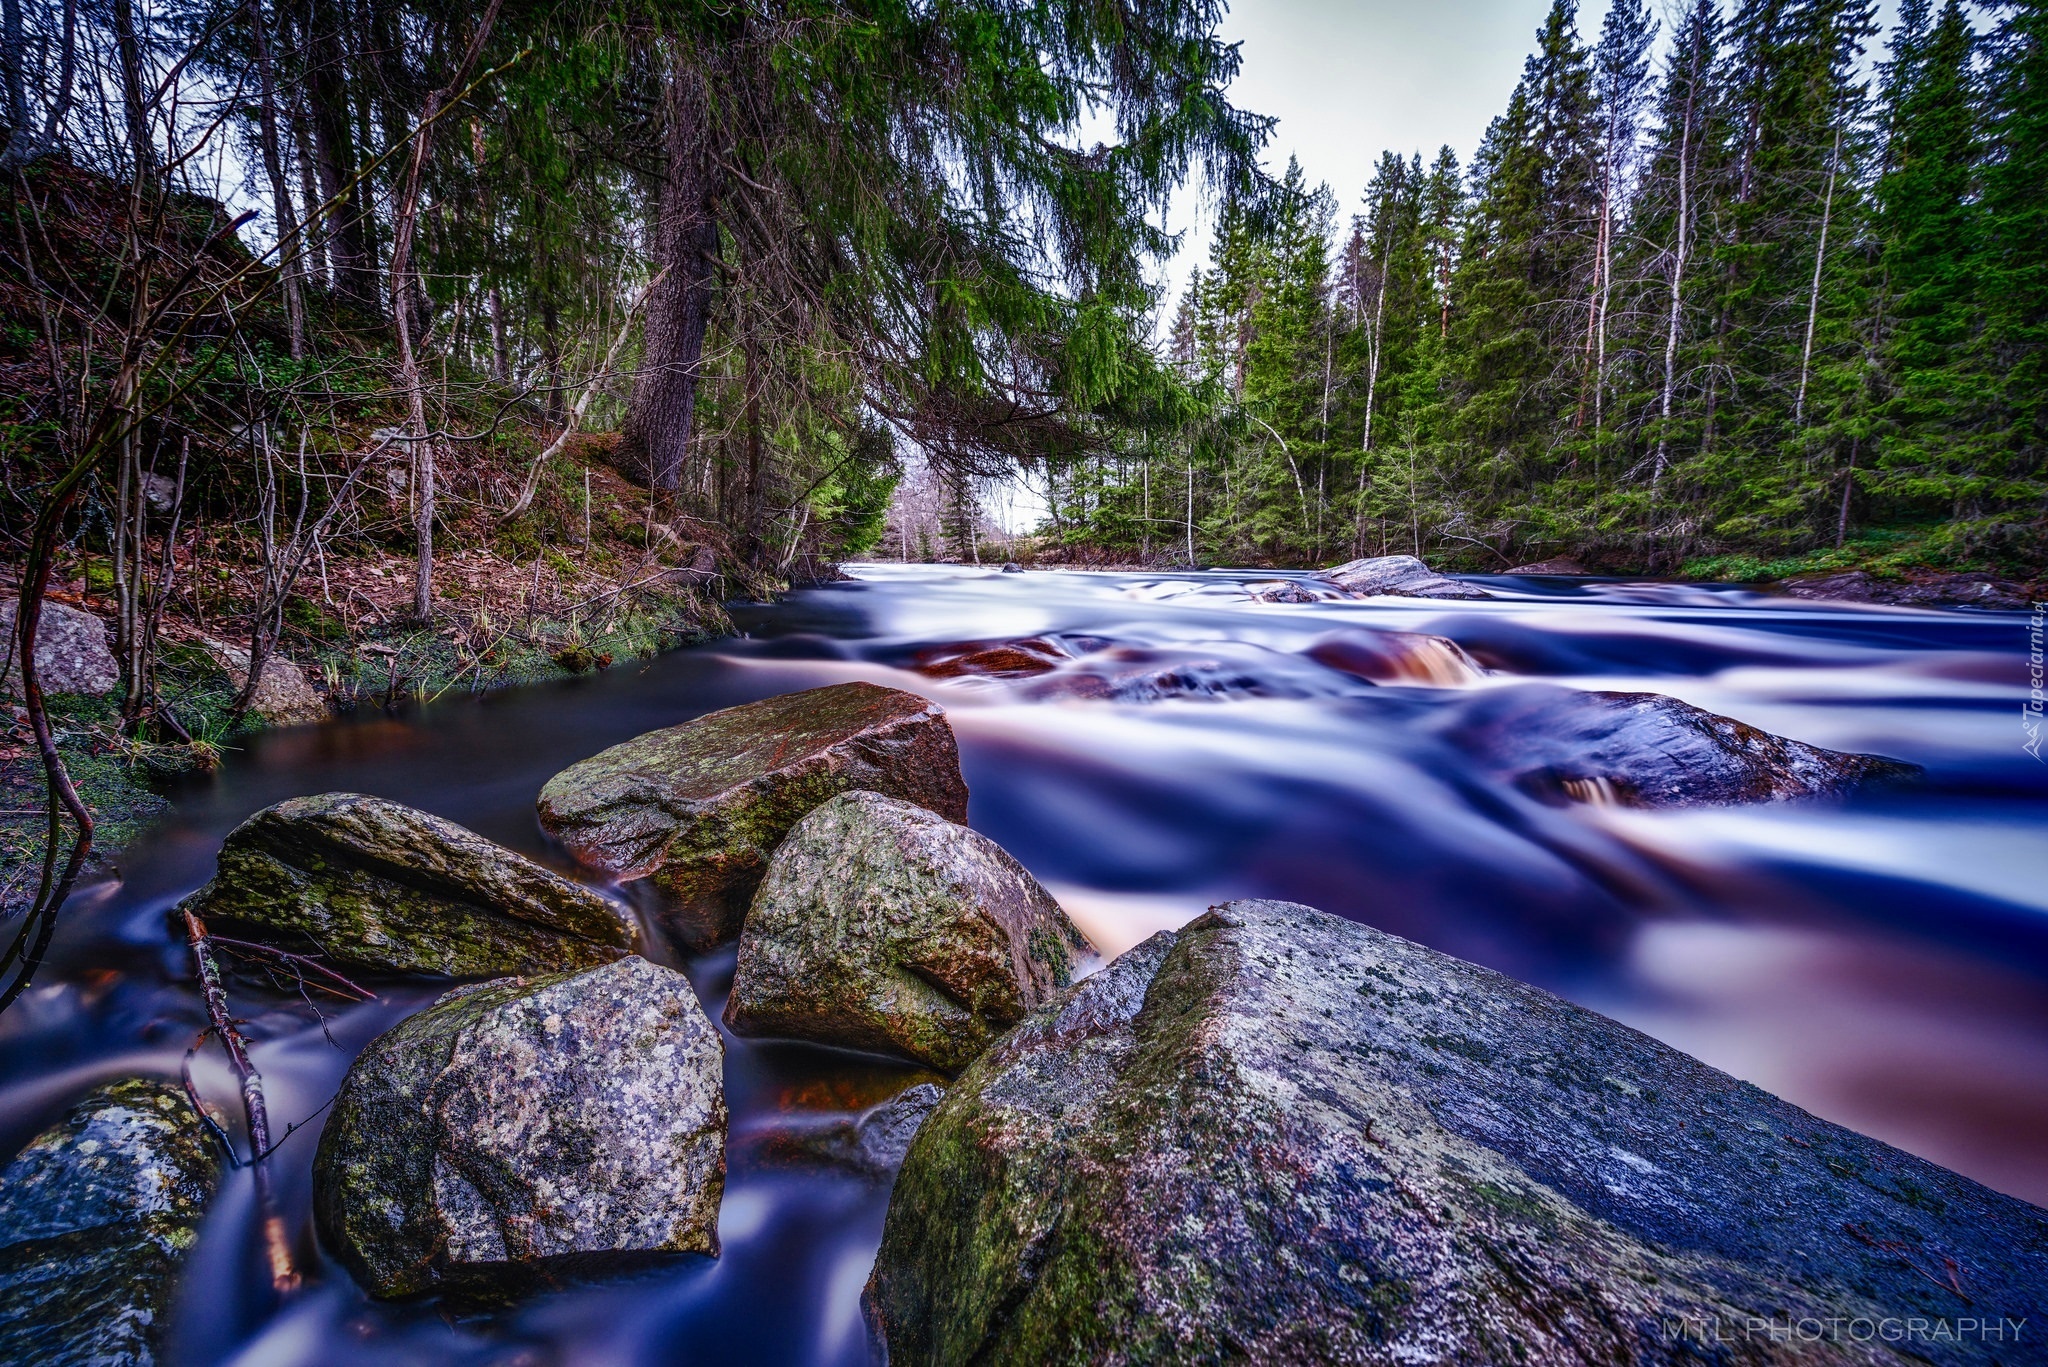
point(1758, 294)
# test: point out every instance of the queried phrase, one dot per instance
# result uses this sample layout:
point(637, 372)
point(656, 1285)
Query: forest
point(1775, 298)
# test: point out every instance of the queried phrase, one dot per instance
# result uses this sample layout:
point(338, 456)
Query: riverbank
point(350, 640)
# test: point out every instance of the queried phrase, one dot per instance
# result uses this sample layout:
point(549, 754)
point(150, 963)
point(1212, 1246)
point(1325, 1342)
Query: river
point(1882, 962)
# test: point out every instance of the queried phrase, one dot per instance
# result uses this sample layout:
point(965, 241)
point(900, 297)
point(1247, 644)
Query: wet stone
point(96, 1216)
point(1281, 1137)
point(1646, 750)
point(1401, 576)
point(526, 1129)
point(697, 809)
point(883, 927)
point(380, 886)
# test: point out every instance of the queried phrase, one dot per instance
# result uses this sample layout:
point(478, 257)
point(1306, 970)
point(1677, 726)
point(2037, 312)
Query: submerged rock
point(1283, 1137)
point(697, 809)
point(283, 697)
point(883, 927)
point(71, 651)
point(96, 1215)
point(383, 886)
point(528, 1127)
point(1002, 660)
point(1646, 750)
point(1399, 575)
point(1396, 657)
point(871, 1144)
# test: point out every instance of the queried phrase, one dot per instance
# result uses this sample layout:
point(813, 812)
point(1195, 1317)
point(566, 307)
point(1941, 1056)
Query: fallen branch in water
point(284, 1274)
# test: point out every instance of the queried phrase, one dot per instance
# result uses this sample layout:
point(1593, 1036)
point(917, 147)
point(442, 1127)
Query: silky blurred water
point(1882, 962)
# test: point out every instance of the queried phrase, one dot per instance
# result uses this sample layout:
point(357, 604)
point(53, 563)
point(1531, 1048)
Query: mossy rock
point(528, 1128)
point(697, 809)
point(96, 1216)
point(377, 885)
point(881, 926)
point(1280, 1137)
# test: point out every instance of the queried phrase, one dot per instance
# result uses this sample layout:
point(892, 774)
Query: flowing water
point(1882, 962)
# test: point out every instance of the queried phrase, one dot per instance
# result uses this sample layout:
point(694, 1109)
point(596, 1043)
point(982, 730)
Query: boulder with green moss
point(1280, 1137)
point(528, 1127)
point(96, 1216)
point(697, 809)
point(883, 927)
point(377, 885)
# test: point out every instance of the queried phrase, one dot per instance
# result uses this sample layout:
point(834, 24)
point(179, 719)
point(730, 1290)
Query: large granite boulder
point(283, 696)
point(520, 1129)
point(697, 809)
point(381, 886)
point(883, 927)
point(96, 1215)
point(1401, 576)
point(1280, 1137)
point(1645, 750)
point(71, 651)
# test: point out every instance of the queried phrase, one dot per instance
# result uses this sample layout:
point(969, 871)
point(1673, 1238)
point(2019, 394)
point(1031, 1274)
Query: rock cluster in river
point(881, 926)
point(1645, 750)
point(525, 1127)
point(378, 885)
point(71, 651)
point(96, 1216)
point(1401, 576)
point(698, 809)
point(1281, 1137)
point(1931, 591)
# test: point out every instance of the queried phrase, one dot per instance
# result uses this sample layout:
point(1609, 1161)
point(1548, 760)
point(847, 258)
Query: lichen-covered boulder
point(381, 886)
point(697, 809)
point(283, 697)
point(1280, 1137)
point(71, 651)
point(881, 926)
point(1645, 750)
point(527, 1127)
point(96, 1216)
point(1401, 576)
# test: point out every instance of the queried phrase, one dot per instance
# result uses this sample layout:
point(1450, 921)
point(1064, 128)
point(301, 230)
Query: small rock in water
point(382, 886)
point(527, 1127)
point(1286, 591)
point(1646, 750)
point(697, 809)
point(96, 1216)
point(71, 651)
point(883, 927)
point(1280, 1137)
point(1396, 657)
point(1402, 576)
point(871, 1144)
point(1012, 567)
point(283, 697)
point(1004, 660)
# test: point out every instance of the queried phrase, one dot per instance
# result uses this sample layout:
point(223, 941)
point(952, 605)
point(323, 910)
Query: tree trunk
point(290, 250)
point(1683, 234)
point(347, 207)
point(404, 222)
point(685, 235)
point(1820, 256)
